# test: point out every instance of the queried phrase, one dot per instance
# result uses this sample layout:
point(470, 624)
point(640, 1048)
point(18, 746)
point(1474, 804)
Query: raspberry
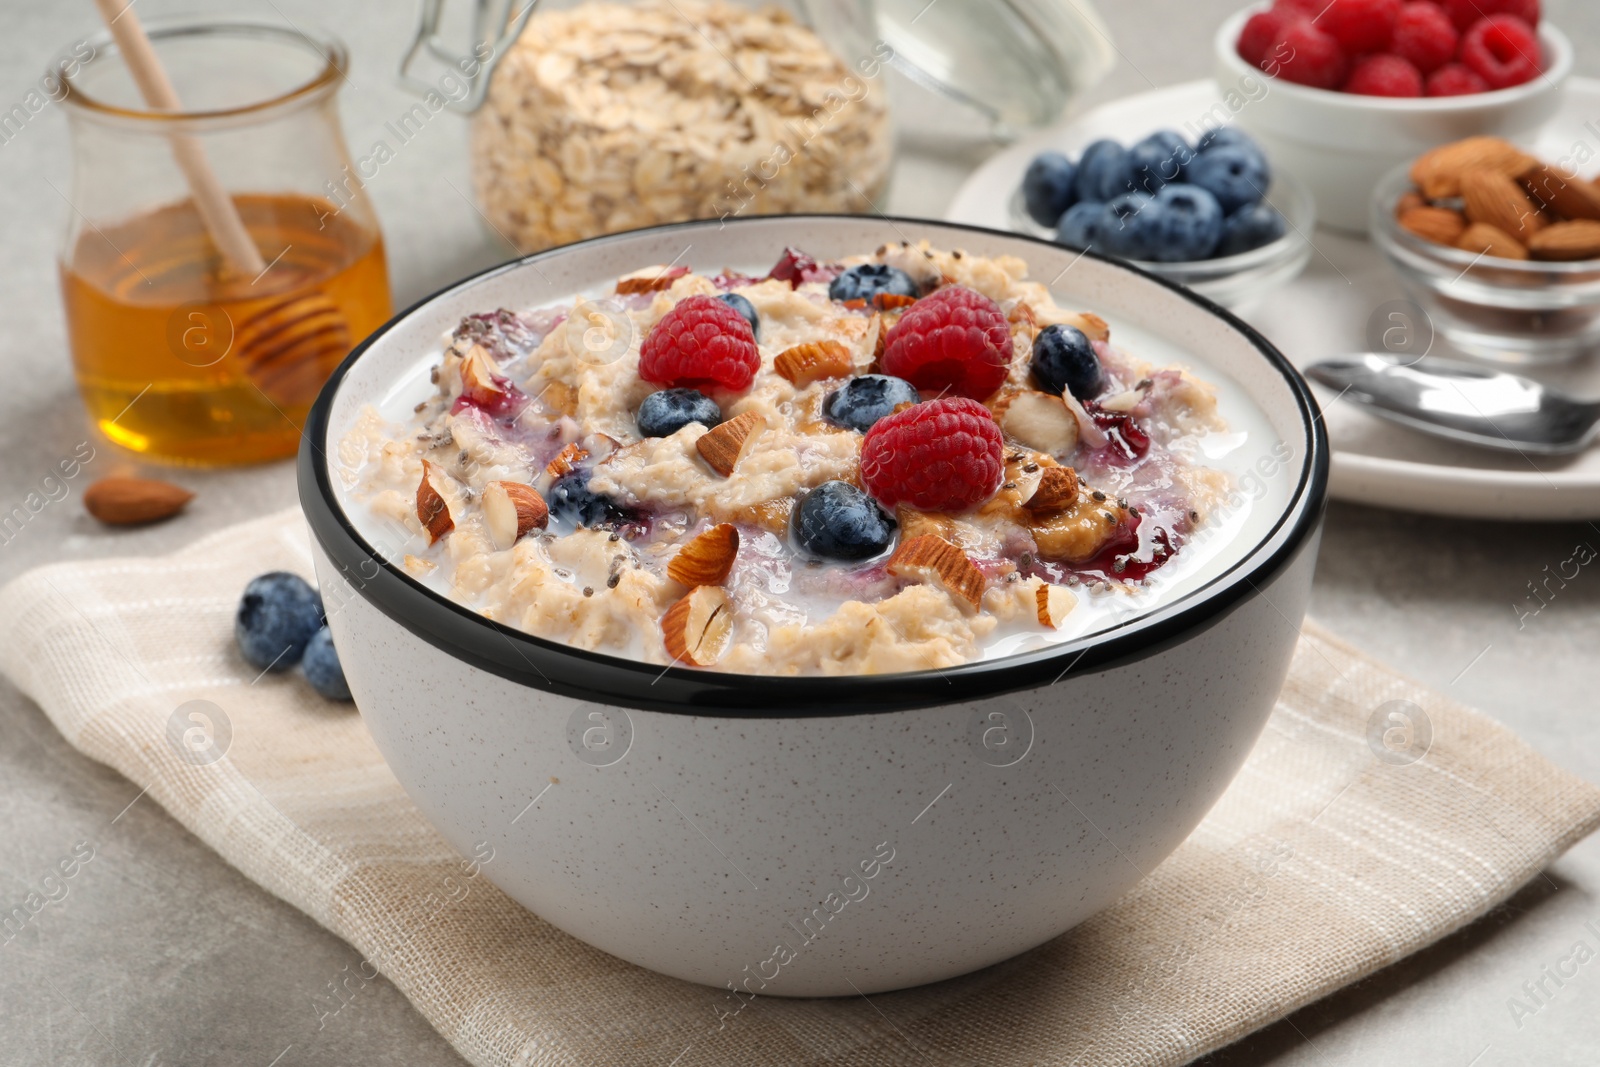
point(1384, 75)
point(1424, 37)
point(954, 339)
point(1309, 8)
point(1361, 25)
point(1502, 50)
point(701, 343)
point(1261, 30)
point(1453, 79)
point(944, 455)
point(1463, 13)
point(1308, 57)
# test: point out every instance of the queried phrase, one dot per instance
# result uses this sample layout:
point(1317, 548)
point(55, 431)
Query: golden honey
point(181, 360)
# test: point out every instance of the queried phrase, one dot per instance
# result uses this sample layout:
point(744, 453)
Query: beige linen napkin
point(1336, 852)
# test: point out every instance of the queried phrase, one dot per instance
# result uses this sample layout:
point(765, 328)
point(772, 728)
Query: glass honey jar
point(180, 355)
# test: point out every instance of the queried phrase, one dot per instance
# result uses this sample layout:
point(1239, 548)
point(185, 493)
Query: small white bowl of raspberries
point(1340, 92)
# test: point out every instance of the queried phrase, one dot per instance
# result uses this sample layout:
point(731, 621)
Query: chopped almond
point(933, 559)
point(1057, 491)
point(649, 280)
point(432, 511)
point(708, 558)
point(698, 629)
point(511, 510)
point(722, 446)
point(1055, 603)
point(813, 362)
point(566, 460)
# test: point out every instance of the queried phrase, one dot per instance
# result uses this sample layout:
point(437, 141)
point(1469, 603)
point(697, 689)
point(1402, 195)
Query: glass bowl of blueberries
point(1211, 216)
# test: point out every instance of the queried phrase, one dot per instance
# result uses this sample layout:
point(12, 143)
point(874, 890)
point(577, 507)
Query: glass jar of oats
point(610, 116)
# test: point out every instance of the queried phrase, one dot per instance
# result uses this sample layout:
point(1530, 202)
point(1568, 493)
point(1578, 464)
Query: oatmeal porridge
point(904, 460)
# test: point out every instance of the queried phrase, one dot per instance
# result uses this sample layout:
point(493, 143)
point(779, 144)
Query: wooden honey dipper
point(284, 346)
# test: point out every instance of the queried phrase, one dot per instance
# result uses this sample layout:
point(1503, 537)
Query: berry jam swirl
point(900, 461)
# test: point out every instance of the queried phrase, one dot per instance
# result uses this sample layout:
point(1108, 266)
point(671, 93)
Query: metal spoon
point(1464, 403)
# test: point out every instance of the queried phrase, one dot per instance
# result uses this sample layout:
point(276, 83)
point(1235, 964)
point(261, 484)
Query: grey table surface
point(162, 954)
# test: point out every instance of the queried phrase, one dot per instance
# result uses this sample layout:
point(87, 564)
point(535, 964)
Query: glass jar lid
point(1020, 62)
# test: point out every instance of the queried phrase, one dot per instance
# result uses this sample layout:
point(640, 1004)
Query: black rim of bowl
point(554, 667)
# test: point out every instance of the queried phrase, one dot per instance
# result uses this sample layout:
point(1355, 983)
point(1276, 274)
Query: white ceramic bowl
point(1340, 144)
point(821, 836)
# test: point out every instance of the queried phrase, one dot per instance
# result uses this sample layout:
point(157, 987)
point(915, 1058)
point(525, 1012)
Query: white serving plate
point(1327, 311)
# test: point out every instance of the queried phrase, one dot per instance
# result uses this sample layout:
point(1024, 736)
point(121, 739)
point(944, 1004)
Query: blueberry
point(1226, 137)
point(838, 521)
point(746, 309)
point(1084, 224)
point(1236, 176)
point(1047, 187)
point(868, 280)
point(1128, 230)
point(1250, 228)
point(665, 413)
point(572, 502)
point(321, 666)
point(1102, 171)
point(277, 615)
point(1184, 224)
point(1157, 160)
point(1064, 360)
point(862, 401)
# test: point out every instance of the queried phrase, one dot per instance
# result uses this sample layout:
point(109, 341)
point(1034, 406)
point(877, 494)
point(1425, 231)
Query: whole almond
point(1579, 239)
point(1481, 237)
point(1498, 201)
point(708, 558)
point(1406, 203)
point(650, 280)
point(1438, 173)
point(1567, 196)
point(131, 501)
point(1437, 224)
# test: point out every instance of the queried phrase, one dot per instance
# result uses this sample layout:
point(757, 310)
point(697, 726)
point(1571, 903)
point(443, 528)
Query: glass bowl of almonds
point(1501, 249)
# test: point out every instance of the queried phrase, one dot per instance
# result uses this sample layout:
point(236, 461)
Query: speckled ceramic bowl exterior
point(1340, 144)
point(819, 836)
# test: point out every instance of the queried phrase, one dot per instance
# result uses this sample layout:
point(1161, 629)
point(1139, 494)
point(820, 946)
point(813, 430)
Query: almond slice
point(890, 301)
point(722, 446)
point(708, 558)
point(879, 330)
point(1055, 603)
point(933, 559)
point(1057, 491)
point(1498, 201)
point(1578, 239)
point(698, 629)
point(510, 510)
point(1437, 224)
point(814, 361)
point(649, 280)
point(566, 461)
point(1481, 237)
point(432, 511)
point(1039, 420)
point(1438, 173)
point(130, 501)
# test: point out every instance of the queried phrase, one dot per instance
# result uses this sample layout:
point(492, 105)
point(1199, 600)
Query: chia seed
point(611, 582)
point(1009, 485)
point(1098, 495)
point(588, 590)
point(1030, 468)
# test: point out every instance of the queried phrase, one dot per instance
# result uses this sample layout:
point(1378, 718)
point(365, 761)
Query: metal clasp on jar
point(474, 69)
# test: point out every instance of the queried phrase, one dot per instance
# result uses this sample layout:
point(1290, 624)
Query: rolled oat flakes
point(612, 116)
